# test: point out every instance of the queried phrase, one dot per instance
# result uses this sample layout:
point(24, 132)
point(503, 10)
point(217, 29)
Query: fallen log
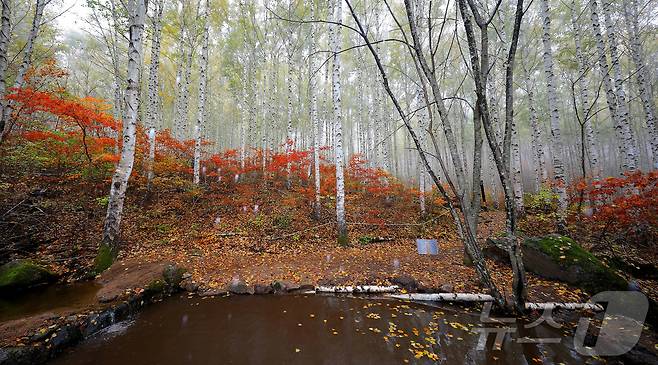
point(357, 289)
point(471, 297)
point(569, 306)
point(445, 297)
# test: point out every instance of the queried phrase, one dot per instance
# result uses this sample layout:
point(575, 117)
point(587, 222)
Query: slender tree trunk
point(314, 117)
point(422, 125)
point(628, 139)
point(153, 84)
point(517, 183)
point(180, 69)
point(289, 137)
point(24, 66)
point(556, 134)
point(203, 80)
point(590, 137)
point(541, 174)
point(336, 10)
point(112, 44)
point(642, 75)
point(111, 230)
point(617, 112)
point(5, 37)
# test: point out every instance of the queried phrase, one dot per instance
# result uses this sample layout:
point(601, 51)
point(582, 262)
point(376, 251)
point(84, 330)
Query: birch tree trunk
point(185, 92)
point(111, 229)
point(556, 134)
point(517, 183)
point(5, 37)
point(24, 66)
point(422, 126)
point(314, 116)
point(630, 148)
point(336, 11)
point(289, 137)
point(590, 137)
point(112, 44)
point(203, 80)
point(541, 175)
point(153, 84)
point(618, 114)
point(642, 75)
point(180, 64)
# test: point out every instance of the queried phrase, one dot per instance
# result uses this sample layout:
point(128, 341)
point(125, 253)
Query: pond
point(44, 299)
point(310, 330)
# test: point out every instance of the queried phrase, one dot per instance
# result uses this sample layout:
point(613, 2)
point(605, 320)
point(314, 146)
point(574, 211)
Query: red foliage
point(87, 112)
point(627, 205)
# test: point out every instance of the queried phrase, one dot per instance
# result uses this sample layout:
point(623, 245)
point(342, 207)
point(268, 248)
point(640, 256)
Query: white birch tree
point(25, 64)
point(642, 74)
point(111, 229)
point(559, 174)
point(203, 80)
point(312, 85)
point(5, 37)
point(336, 14)
point(153, 84)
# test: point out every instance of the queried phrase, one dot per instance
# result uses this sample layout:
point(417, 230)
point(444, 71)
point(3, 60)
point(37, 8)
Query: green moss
point(156, 287)
point(282, 221)
point(595, 275)
point(104, 259)
point(343, 240)
point(364, 240)
point(173, 275)
point(564, 249)
point(22, 274)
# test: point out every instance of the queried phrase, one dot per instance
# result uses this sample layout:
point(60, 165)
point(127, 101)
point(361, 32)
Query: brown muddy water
point(311, 330)
point(48, 298)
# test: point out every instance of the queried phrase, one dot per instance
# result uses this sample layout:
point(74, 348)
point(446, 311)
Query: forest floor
point(255, 232)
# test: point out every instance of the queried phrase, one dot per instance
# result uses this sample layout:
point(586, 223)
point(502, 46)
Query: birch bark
point(556, 134)
point(590, 137)
point(5, 37)
point(642, 75)
point(336, 11)
point(541, 174)
point(153, 83)
point(630, 149)
point(314, 116)
point(24, 65)
point(203, 80)
point(111, 229)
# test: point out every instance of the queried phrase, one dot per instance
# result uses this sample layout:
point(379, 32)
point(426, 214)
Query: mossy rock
point(104, 259)
point(559, 257)
point(22, 274)
point(173, 275)
point(155, 287)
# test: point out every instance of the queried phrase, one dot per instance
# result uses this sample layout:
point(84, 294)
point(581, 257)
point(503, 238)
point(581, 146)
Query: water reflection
point(47, 298)
point(314, 330)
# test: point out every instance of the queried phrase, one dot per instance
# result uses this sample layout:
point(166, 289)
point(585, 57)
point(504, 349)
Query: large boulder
point(496, 249)
point(561, 258)
point(22, 274)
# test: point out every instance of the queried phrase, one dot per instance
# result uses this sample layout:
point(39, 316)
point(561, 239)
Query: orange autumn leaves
point(625, 206)
point(81, 129)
